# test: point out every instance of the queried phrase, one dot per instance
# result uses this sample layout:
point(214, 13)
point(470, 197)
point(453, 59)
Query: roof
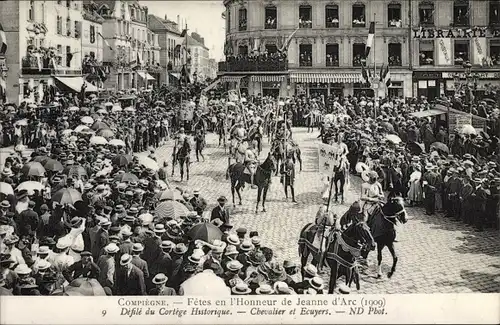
point(157, 24)
point(455, 111)
point(192, 42)
point(427, 113)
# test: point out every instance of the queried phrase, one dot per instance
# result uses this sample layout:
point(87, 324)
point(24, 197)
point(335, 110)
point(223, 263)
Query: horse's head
point(269, 164)
point(360, 233)
point(395, 208)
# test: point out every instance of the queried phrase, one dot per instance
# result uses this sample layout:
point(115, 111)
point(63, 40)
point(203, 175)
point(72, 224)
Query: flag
point(139, 58)
point(369, 40)
point(365, 74)
point(3, 84)
point(184, 32)
point(288, 41)
point(3, 41)
point(479, 51)
point(105, 41)
point(386, 76)
point(381, 75)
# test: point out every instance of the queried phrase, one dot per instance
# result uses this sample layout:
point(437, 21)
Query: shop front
point(481, 80)
point(269, 85)
point(427, 84)
point(325, 83)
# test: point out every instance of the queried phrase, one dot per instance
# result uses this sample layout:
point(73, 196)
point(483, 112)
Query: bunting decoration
point(285, 46)
point(369, 40)
point(105, 41)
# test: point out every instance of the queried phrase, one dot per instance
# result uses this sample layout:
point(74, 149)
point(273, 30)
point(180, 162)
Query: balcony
point(261, 63)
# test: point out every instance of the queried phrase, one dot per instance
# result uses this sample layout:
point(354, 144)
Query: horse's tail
point(302, 247)
point(228, 171)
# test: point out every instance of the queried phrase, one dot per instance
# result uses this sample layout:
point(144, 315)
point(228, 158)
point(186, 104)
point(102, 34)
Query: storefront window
point(495, 52)
point(332, 55)
point(358, 54)
point(394, 50)
point(305, 16)
point(271, 18)
point(394, 13)
point(362, 90)
point(426, 53)
point(332, 16)
point(305, 55)
point(243, 50)
point(358, 15)
point(461, 13)
point(461, 52)
point(426, 13)
point(396, 90)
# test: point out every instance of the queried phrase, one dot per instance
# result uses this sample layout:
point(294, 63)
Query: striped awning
point(328, 77)
point(267, 78)
point(231, 78)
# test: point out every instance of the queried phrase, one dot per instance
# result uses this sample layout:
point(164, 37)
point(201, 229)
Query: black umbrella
point(416, 148)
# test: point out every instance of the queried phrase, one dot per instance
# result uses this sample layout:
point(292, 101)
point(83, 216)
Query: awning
point(142, 74)
point(443, 109)
point(326, 77)
point(427, 113)
point(267, 78)
point(231, 78)
point(150, 77)
point(75, 83)
point(175, 74)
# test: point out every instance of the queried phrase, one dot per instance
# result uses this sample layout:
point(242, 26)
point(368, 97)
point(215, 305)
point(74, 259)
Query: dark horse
point(278, 151)
point(183, 157)
point(382, 224)
point(343, 244)
point(262, 178)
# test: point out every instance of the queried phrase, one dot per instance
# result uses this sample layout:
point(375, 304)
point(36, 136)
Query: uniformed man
point(251, 163)
point(287, 170)
point(179, 142)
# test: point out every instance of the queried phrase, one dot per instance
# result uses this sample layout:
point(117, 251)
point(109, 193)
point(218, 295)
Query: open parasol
point(75, 171)
point(468, 129)
point(205, 231)
point(205, 283)
point(81, 128)
point(87, 120)
point(98, 140)
point(416, 148)
point(98, 125)
point(439, 146)
point(85, 287)
point(116, 143)
point(30, 186)
point(33, 168)
point(393, 138)
point(126, 178)
point(171, 210)
point(67, 196)
point(122, 160)
point(361, 167)
point(53, 165)
point(148, 163)
point(6, 189)
point(73, 109)
point(106, 133)
point(172, 195)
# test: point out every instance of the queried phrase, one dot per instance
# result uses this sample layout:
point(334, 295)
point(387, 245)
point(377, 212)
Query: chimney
point(166, 17)
point(179, 21)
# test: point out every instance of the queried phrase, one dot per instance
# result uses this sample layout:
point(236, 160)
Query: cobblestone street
point(435, 254)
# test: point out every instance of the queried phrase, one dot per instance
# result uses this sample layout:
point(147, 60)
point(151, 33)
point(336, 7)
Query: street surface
point(436, 255)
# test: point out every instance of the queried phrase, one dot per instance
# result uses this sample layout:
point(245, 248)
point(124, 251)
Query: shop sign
point(430, 33)
point(427, 75)
point(478, 75)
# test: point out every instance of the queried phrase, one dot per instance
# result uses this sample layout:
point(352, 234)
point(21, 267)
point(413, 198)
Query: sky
point(202, 16)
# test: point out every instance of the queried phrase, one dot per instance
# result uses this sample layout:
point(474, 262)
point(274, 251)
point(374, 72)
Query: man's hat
point(5, 204)
point(104, 222)
point(138, 247)
point(129, 218)
point(167, 244)
point(222, 199)
point(233, 240)
point(76, 222)
point(22, 194)
point(311, 270)
point(287, 264)
point(133, 211)
point(316, 283)
point(125, 259)
point(180, 249)
point(282, 288)
point(43, 265)
point(231, 250)
point(234, 265)
point(22, 269)
point(12, 239)
point(246, 246)
point(160, 278)
point(159, 228)
point(111, 248)
point(85, 253)
point(264, 289)
point(241, 288)
point(241, 231)
point(119, 208)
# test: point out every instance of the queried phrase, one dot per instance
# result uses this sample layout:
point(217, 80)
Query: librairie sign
point(455, 32)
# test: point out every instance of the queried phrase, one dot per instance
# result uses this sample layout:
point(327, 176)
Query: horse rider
point(251, 162)
point(257, 133)
point(371, 193)
point(287, 171)
point(237, 135)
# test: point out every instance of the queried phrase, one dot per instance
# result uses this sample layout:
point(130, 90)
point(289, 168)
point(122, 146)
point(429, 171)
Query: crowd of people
point(80, 205)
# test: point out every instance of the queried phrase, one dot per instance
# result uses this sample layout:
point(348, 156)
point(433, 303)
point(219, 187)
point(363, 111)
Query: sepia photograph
point(320, 157)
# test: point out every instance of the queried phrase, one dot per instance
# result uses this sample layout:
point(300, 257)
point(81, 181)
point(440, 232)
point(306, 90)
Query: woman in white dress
point(415, 192)
point(371, 193)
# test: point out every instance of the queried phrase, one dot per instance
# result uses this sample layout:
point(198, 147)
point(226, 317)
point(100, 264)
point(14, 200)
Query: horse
point(340, 245)
point(382, 222)
point(278, 151)
point(262, 178)
point(183, 157)
point(237, 150)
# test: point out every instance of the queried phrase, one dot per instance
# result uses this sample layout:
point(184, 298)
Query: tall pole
point(374, 48)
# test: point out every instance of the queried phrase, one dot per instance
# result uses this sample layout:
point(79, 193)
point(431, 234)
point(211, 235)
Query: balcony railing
point(251, 64)
point(51, 71)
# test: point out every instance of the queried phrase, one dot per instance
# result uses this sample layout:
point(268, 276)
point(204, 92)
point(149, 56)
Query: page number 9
point(103, 313)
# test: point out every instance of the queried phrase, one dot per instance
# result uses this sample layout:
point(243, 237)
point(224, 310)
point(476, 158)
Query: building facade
point(326, 51)
point(44, 47)
point(453, 42)
point(93, 46)
point(199, 57)
point(212, 68)
point(169, 36)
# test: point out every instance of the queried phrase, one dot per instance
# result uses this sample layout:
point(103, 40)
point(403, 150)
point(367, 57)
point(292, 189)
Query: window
point(394, 50)
point(68, 26)
point(394, 15)
point(31, 11)
point(271, 19)
point(68, 3)
point(358, 54)
point(77, 29)
point(332, 55)
point(305, 16)
point(228, 28)
point(461, 11)
point(358, 15)
point(59, 25)
point(243, 50)
point(332, 16)
point(132, 13)
point(495, 52)
point(92, 34)
point(69, 56)
point(271, 48)
point(242, 20)
point(426, 53)
point(461, 52)
point(494, 12)
point(305, 55)
point(426, 13)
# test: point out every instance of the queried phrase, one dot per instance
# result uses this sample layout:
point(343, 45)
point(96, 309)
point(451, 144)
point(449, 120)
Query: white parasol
point(468, 129)
point(98, 140)
point(205, 283)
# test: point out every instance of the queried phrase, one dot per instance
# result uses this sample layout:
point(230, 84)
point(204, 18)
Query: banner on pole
point(329, 156)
